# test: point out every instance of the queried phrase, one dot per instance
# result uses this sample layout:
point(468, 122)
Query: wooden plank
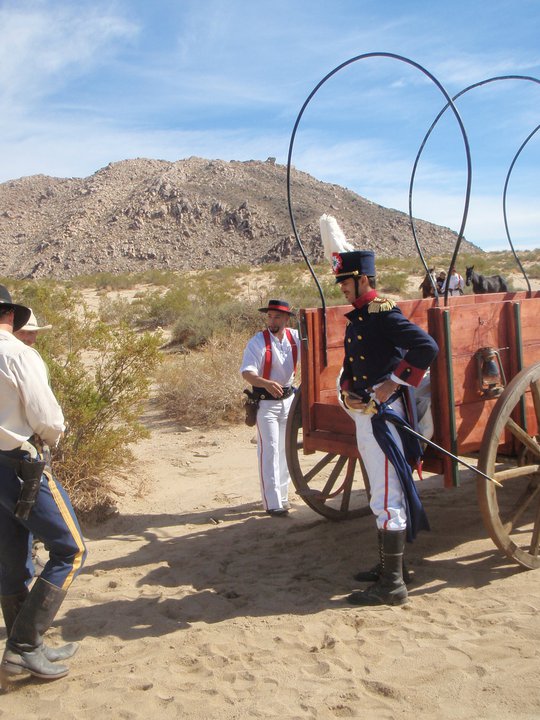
point(530, 314)
point(320, 441)
point(330, 396)
point(471, 421)
point(475, 321)
point(440, 401)
point(332, 418)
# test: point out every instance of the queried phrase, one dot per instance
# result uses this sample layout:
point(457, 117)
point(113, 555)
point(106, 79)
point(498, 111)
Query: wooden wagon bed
point(464, 420)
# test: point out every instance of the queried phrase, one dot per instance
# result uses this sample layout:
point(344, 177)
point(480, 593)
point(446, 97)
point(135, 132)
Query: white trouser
point(273, 470)
point(387, 500)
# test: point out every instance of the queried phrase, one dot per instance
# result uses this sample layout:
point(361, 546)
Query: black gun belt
point(261, 394)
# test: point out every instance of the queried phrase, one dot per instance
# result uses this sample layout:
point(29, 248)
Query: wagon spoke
point(515, 472)
point(316, 469)
point(327, 489)
point(325, 479)
point(512, 513)
point(518, 432)
point(535, 392)
point(531, 492)
point(535, 540)
point(348, 485)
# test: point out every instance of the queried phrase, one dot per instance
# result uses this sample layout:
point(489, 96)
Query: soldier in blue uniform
point(384, 354)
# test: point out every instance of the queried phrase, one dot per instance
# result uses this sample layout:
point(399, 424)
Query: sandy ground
point(195, 604)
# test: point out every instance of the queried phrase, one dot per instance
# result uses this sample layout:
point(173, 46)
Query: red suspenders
point(294, 347)
point(267, 355)
point(268, 352)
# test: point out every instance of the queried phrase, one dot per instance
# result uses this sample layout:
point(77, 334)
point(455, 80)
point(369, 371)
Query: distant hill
point(190, 214)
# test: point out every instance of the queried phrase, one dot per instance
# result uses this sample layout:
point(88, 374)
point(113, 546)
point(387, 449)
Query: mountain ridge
point(195, 213)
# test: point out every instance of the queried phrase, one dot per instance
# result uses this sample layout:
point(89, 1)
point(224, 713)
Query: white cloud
point(85, 83)
point(43, 47)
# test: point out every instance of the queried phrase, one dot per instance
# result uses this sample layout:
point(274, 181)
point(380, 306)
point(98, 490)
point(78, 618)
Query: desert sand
point(196, 604)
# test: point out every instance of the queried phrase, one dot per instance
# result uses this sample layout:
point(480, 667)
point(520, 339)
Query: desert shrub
point(204, 320)
point(124, 281)
point(392, 282)
point(533, 271)
point(293, 282)
point(225, 281)
point(158, 309)
point(101, 375)
point(204, 387)
point(118, 310)
point(102, 404)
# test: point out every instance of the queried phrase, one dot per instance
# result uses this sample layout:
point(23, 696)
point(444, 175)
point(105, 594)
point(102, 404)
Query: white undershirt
point(282, 370)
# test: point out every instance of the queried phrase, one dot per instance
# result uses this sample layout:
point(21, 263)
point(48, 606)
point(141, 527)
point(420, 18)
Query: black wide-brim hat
point(353, 264)
point(278, 305)
point(21, 313)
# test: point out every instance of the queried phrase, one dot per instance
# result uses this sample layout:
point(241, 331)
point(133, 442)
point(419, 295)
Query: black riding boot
point(24, 649)
point(374, 573)
point(11, 604)
point(389, 588)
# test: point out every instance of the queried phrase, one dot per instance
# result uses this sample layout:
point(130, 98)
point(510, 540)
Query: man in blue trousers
point(32, 502)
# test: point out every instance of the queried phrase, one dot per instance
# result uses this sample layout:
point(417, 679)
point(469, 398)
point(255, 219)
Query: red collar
point(365, 299)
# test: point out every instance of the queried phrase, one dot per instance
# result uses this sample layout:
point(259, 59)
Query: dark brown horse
point(428, 283)
point(482, 284)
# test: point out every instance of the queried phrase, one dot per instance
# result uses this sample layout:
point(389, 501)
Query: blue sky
point(85, 82)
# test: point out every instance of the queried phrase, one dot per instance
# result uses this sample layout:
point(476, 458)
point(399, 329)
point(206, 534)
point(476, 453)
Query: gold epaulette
point(380, 304)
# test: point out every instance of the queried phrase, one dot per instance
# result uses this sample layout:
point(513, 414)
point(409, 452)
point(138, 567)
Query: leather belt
point(261, 394)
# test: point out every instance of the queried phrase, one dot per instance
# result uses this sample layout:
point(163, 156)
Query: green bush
point(101, 376)
point(392, 282)
point(204, 320)
point(158, 309)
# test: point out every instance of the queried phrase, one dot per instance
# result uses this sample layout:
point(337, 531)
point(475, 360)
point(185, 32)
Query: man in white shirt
point(456, 283)
point(269, 365)
point(32, 502)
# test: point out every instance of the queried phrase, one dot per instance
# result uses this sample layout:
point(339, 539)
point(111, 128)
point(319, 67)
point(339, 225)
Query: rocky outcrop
point(190, 214)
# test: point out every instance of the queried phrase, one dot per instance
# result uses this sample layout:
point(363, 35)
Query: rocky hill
point(190, 214)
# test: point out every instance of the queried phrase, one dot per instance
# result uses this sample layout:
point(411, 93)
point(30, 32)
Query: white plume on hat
point(333, 238)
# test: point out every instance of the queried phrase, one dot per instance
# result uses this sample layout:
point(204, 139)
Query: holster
point(251, 405)
point(30, 473)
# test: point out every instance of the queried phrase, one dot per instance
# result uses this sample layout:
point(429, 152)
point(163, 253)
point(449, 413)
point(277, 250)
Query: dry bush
point(204, 387)
point(101, 374)
point(206, 319)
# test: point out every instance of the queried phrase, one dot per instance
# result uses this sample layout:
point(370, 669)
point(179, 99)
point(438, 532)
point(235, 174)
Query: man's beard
point(274, 329)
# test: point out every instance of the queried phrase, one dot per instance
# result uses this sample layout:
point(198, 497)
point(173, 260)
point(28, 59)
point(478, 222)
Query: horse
point(426, 286)
point(482, 284)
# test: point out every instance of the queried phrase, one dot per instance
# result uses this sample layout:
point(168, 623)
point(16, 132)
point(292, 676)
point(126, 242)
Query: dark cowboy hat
point(279, 305)
point(22, 313)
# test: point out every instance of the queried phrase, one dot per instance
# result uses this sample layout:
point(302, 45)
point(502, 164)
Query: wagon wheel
point(335, 486)
point(512, 513)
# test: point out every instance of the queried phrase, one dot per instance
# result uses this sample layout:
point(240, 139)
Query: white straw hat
point(32, 324)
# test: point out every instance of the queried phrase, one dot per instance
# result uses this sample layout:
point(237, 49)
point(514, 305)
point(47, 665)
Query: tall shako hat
point(21, 313)
point(280, 305)
point(346, 261)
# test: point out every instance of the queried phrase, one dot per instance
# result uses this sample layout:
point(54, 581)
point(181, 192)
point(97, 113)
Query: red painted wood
point(476, 321)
